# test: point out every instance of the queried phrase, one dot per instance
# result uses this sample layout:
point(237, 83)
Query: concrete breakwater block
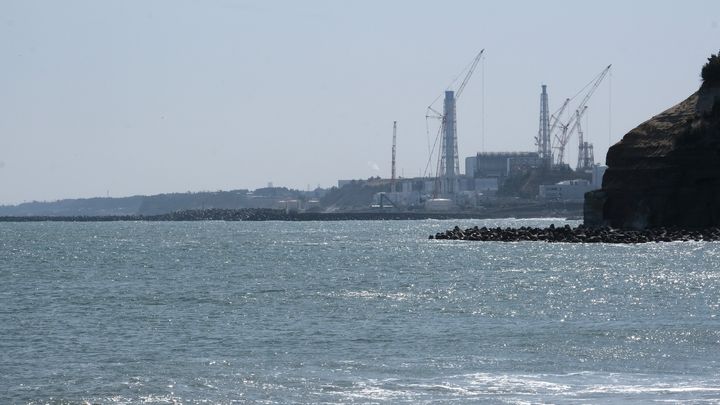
point(581, 234)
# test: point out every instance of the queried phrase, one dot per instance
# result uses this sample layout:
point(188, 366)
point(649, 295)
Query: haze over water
point(339, 312)
point(133, 97)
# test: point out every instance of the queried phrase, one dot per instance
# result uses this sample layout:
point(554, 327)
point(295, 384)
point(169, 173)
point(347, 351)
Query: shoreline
point(253, 214)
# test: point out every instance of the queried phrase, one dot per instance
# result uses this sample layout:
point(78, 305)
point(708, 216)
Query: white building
point(569, 190)
point(598, 171)
point(573, 190)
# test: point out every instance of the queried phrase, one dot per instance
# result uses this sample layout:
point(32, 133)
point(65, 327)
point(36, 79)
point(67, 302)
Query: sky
point(127, 97)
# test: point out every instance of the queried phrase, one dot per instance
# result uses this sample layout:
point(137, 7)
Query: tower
point(447, 181)
point(449, 163)
point(393, 173)
point(543, 139)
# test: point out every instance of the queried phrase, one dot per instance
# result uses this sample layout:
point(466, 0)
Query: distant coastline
point(253, 214)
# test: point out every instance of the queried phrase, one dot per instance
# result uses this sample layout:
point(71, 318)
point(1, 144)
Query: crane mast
point(586, 157)
point(393, 177)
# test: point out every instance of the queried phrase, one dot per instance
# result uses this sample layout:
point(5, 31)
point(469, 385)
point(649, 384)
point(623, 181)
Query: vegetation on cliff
point(710, 72)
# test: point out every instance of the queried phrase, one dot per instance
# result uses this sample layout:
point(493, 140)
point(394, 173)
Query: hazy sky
point(141, 97)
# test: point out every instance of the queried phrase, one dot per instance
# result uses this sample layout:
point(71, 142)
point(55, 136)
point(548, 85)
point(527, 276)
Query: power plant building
point(500, 165)
point(573, 190)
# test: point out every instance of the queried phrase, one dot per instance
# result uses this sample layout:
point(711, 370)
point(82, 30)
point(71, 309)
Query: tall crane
point(548, 125)
point(392, 177)
point(431, 111)
point(567, 129)
point(555, 118)
point(566, 133)
point(448, 162)
point(471, 70)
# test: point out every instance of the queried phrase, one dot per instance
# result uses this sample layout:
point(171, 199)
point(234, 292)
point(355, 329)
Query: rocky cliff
point(665, 172)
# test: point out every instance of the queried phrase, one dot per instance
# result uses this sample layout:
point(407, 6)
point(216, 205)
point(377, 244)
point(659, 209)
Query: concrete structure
point(440, 204)
point(500, 165)
point(543, 140)
point(449, 162)
point(414, 192)
point(598, 171)
point(574, 190)
point(486, 184)
point(470, 166)
point(290, 205)
point(399, 199)
point(569, 190)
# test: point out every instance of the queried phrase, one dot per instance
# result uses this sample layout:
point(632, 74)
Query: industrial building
point(486, 172)
point(573, 190)
point(568, 190)
point(500, 165)
point(419, 192)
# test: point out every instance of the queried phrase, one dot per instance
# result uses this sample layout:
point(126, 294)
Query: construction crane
point(392, 177)
point(566, 133)
point(567, 129)
point(448, 162)
point(548, 125)
point(586, 157)
point(555, 118)
point(465, 81)
point(470, 70)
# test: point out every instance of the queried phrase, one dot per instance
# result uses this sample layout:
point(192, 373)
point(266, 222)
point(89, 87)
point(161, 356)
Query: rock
point(578, 235)
point(666, 171)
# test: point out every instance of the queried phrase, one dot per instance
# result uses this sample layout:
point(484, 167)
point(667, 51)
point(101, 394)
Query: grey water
point(350, 312)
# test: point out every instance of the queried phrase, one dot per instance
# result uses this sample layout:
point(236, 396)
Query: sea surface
point(350, 312)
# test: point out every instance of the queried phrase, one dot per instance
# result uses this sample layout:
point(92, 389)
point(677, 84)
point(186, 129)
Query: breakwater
point(580, 234)
point(252, 214)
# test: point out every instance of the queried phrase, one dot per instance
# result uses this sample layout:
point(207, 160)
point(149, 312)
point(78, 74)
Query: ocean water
point(350, 312)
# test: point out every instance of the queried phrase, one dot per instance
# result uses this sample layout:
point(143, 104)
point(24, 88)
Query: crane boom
point(555, 119)
point(594, 87)
point(568, 128)
point(567, 131)
point(465, 81)
point(578, 115)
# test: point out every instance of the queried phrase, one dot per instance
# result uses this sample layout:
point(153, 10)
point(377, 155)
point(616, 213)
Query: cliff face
point(665, 172)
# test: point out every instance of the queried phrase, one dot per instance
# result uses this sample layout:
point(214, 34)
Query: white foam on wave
point(518, 388)
point(143, 399)
point(639, 389)
point(374, 390)
point(399, 296)
point(509, 383)
point(461, 387)
point(161, 399)
point(446, 388)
